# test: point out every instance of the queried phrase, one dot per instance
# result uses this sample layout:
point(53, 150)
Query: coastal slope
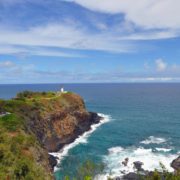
point(33, 124)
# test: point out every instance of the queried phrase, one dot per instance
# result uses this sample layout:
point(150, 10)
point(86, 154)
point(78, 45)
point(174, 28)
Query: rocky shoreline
point(94, 118)
point(141, 173)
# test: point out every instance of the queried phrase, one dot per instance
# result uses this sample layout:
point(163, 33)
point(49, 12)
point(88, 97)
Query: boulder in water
point(138, 165)
point(125, 162)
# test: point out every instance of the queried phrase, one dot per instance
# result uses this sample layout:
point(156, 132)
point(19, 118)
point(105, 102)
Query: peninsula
point(35, 123)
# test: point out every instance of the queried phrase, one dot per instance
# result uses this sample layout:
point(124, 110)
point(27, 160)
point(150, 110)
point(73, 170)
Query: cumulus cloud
point(160, 65)
point(160, 68)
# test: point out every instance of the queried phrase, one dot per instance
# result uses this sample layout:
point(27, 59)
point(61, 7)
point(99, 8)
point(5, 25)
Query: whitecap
point(115, 150)
point(150, 159)
point(164, 149)
point(82, 139)
point(153, 140)
point(101, 177)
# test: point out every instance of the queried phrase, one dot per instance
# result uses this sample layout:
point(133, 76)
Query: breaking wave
point(82, 139)
point(153, 140)
point(163, 149)
point(151, 160)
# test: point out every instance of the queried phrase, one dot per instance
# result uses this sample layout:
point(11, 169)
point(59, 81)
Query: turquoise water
point(143, 123)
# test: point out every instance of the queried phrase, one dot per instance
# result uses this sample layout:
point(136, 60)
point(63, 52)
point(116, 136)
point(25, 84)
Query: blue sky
point(45, 41)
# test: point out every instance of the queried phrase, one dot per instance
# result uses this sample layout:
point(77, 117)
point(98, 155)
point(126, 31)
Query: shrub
point(11, 122)
point(87, 171)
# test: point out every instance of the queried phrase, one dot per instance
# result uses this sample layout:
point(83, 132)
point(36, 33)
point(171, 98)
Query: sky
point(89, 41)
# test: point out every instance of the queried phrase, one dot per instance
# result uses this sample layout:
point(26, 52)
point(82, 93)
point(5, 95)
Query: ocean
point(141, 122)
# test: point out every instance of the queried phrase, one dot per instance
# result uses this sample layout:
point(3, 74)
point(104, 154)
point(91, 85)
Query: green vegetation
point(87, 171)
point(164, 174)
point(11, 122)
point(21, 155)
point(35, 95)
point(19, 149)
point(16, 153)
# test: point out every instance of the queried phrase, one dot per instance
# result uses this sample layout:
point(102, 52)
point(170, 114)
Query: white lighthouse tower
point(62, 90)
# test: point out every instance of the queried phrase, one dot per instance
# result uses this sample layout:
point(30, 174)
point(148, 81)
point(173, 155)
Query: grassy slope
point(21, 156)
point(20, 153)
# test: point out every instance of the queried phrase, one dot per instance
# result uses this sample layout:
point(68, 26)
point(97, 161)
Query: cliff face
point(45, 122)
point(60, 120)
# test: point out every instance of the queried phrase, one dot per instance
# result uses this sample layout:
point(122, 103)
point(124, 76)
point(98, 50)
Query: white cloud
point(162, 34)
point(36, 40)
point(119, 38)
point(6, 64)
point(146, 66)
point(22, 73)
point(160, 65)
point(145, 13)
point(161, 68)
point(35, 51)
point(64, 36)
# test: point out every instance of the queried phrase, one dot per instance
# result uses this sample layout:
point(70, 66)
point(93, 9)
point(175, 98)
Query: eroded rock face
point(52, 161)
point(60, 120)
point(67, 129)
point(176, 164)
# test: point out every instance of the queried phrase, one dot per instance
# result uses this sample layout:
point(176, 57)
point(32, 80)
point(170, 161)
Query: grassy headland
point(34, 123)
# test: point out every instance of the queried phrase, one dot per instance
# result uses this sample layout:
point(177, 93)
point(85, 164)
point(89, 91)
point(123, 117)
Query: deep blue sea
point(142, 122)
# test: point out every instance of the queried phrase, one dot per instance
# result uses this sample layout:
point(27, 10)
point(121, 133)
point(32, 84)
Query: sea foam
point(153, 140)
point(151, 160)
point(163, 149)
point(82, 139)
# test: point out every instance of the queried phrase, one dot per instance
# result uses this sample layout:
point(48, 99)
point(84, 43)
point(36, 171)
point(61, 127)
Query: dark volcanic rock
point(52, 161)
point(117, 178)
point(144, 174)
point(176, 164)
point(59, 121)
point(125, 162)
point(131, 176)
point(138, 165)
point(69, 128)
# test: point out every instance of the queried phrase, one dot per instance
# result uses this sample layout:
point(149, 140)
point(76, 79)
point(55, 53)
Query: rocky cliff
point(60, 120)
point(53, 119)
